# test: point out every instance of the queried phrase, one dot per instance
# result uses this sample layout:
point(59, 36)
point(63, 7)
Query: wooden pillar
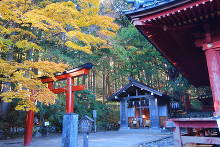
point(141, 119)
point(154, 114)
point(29, 122)
point(123, 115)
point(177, 137)
point(213, 62)
point(69, 96)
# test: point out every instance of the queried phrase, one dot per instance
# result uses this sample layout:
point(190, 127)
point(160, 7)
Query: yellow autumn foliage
point(4, 44)
point(69, 18)
point(28, 87)
point(107, 33)
point(27, 45)
point(77, 25)
point(86, 38)
point(21, 32)
point(86, 49)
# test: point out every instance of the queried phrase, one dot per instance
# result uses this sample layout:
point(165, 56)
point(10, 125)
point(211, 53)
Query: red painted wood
point(179, 140)
point(29, 122)
point(175, 10)
point(197, 124)
point(69, 96)
point(214, 46)
point(213, 63)
point(58, 90)
point(193, 119)
point(62, 90)
point(191, 123)
point(79, 73)
point(65, 76)
point(47, 80)
point(50, 85)
point(79, 87)
point(200, 140)
point(193, 65)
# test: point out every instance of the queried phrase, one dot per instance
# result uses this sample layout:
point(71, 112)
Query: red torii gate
point(68, 75)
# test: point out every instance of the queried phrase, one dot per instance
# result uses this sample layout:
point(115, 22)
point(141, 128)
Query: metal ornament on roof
point(147, 3)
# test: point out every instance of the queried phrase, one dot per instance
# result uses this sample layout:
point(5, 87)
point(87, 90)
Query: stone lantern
point(85, 127)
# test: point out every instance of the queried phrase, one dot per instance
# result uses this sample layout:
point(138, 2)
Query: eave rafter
point(187, 14)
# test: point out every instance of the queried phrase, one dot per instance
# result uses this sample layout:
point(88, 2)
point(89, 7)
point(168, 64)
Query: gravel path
point(129, 138)
point(162, 142)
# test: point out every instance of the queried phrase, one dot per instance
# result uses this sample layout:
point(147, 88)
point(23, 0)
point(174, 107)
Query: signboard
point(47, 123)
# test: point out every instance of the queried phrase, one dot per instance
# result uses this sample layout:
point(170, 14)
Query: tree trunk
point(88, 82)
point(94, 81)
point(103, 87)
point(108, 85)
point(6, 87)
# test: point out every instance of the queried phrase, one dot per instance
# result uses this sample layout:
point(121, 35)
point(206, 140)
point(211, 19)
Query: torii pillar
point(69, 90)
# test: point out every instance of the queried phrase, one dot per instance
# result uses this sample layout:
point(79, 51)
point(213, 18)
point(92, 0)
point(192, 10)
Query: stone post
point(177, 137)
point(85, 139)
point(70, 130)
point(123, 115)
point(154, 114)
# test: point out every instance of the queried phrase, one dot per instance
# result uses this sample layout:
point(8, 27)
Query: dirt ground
point(128, 138)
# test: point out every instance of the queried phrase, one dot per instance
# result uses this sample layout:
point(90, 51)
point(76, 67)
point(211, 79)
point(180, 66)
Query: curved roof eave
point(157, 7)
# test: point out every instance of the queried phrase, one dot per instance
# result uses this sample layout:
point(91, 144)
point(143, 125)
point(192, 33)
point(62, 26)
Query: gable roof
point(87, 118)
point(130, 89)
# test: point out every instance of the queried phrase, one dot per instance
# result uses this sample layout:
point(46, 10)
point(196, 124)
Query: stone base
point(70, 130)
point(37, 133)
point(124, 128)
point(154, 130)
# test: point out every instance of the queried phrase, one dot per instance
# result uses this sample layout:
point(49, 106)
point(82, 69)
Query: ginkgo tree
point(26, 84)
point(24, 24)
point(79, 22)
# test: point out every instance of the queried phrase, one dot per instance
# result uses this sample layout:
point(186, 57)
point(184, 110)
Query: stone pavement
point(128, 138)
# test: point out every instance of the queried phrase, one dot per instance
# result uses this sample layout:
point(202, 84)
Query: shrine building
point(187, 33)
point(141, 106)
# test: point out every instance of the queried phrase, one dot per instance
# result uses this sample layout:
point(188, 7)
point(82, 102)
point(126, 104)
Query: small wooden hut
point(141, 106)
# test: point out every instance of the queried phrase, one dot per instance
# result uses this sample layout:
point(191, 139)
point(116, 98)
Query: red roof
point(174, 29)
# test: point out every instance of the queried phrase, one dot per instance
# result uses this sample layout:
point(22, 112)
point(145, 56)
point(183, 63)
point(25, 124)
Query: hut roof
point(134, 88)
